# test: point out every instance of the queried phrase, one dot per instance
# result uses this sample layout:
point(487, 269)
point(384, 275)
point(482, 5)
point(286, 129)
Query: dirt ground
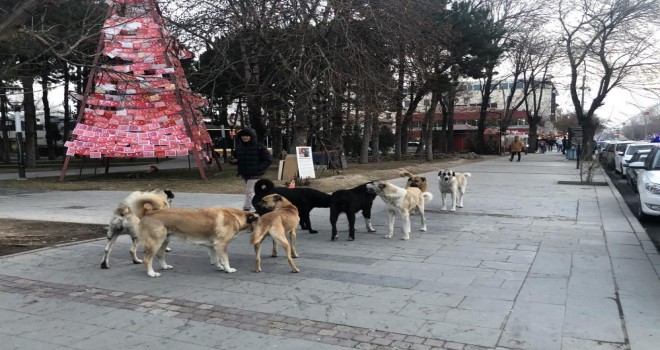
point(20, 235)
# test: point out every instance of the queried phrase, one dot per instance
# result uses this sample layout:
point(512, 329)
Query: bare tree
point(608, 44)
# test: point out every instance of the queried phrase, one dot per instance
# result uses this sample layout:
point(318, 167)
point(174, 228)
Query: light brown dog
point(402, 201)
point(214, 228)
point(125, 220)
point(282, 218)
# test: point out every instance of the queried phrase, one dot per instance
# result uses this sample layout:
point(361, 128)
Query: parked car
point(618, 154)
point(624, 157)
point(631, 173)
point(608, 153)
point(648, 184)
point(412, 147)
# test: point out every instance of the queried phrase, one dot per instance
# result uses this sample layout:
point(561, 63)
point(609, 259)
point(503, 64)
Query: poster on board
point(305, 162)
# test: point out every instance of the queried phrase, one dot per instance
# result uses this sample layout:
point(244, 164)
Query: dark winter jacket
point(252, 158)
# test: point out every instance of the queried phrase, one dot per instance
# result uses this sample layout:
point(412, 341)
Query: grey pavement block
point(551, 265)
point(569, 343)
point(477, 318)
point(453, 332)
point(547, 290)
point(642, 317)
point(505, 266)
point(117, 339)
point(484, 292)
point(595, 318)
point(591, 283)
point(636, 276)
point(586, 263)
point(533, 326)
point(626, 251)
point(11, 342)
point(617, 237)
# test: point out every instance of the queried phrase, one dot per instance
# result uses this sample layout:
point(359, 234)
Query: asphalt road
point(652, 225)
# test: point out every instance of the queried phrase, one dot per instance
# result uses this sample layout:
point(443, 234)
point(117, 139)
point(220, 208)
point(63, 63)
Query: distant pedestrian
point(565, 145)
point(560, 144)
point(516, 148)
point(253, 159)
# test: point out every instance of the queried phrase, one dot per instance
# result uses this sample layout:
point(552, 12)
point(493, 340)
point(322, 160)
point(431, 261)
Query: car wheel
point(641, 216)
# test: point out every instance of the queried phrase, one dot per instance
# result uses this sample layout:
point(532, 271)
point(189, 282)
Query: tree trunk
point(428, 125)
point(30, 116)
point(366, 137)
point(399, 108)
point(5, 146)
point(67, 111)
point(51, 130)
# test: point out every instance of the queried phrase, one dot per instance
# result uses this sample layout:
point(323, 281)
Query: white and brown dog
point(214, 228)
point(402, 201)
point(281, 219)
point(124, 221)
point(454, 184)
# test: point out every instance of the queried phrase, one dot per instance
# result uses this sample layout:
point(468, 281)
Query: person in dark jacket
point(253, 159)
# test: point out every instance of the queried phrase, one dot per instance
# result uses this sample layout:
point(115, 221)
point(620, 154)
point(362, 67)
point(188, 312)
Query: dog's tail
point(258, 232)
point(428, 196)
point(406, 173)
point(467, 174)
point(139, 203)
point(263, 187)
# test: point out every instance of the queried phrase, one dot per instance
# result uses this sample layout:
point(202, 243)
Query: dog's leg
point(444, 202)
point(274, 254)
point(351, 225)
point(454, 199)
point(406, 225)
point(391, 213)
point(304, 217)
point(366, 214)
point(292, 237)
point(213, 257)
point(161, 256)
point(461, 192)
point(105, 263)
point(281, 239)
point(223, 261)
point(423, 214)
point(334, 216)
point(133, 250)
point(257, 260)
point(149, 252)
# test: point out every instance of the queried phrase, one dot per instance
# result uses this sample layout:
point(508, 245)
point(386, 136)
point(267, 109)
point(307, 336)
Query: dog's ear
point(169, 193)
point(453, 173)
point(423, 178)
point(277, 198)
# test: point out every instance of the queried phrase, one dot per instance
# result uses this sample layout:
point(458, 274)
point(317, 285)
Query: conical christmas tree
point(137, 103)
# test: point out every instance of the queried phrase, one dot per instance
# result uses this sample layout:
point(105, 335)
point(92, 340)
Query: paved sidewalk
point(527, 264)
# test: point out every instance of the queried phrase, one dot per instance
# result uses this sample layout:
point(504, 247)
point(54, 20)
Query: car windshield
point(634, 148)
point(620, 147)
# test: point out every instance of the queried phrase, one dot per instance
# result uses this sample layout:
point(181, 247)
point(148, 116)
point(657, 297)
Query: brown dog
point(282, 218)
point(214, 228)
point(415, 181)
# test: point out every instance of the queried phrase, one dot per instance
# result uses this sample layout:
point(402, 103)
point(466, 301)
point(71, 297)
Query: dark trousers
point(513, 154)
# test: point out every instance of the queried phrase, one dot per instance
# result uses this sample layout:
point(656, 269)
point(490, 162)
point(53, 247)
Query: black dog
point(305, 199)
point(350, 202)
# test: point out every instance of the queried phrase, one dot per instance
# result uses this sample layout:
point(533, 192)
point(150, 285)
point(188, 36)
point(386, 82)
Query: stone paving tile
point(212, 315)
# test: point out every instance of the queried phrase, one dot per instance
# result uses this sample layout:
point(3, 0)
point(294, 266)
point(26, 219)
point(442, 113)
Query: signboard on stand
point(299, 165)
point(305, 162)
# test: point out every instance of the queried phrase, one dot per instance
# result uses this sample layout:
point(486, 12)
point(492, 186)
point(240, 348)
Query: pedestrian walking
point(560, 144)
point(516, 148)
point(252, 159)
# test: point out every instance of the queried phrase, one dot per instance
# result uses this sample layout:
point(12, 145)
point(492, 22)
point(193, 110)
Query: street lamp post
point(20, 150)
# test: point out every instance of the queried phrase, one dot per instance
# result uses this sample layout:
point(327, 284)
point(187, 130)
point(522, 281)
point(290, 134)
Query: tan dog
point(125, 221)
point(214, 228)
point(282, 218)
point(415, 181)
point(402, 201)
